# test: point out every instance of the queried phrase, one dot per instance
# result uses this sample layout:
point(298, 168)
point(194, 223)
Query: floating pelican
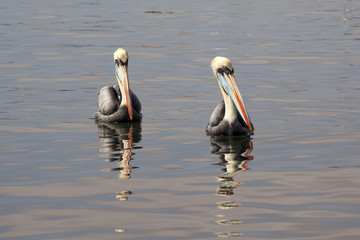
point(230, 116)
point(118, 103)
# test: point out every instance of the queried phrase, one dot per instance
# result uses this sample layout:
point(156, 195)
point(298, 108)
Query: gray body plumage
point(109, 108)
point(219, 126)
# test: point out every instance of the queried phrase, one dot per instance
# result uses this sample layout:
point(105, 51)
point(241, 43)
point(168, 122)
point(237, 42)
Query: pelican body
point(118, 103)
point(230, 117)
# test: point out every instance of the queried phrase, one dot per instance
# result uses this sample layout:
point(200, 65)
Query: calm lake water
point(297, 64)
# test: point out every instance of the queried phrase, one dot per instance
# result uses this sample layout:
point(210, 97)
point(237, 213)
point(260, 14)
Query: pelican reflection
point(234, 154)
point(117, 144)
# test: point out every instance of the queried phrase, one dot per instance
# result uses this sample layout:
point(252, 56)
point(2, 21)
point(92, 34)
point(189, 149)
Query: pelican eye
point(119, 62)
point(225, 70)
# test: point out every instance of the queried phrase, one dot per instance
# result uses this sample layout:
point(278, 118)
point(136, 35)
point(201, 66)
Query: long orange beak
point(122, 77)
point(228, 84)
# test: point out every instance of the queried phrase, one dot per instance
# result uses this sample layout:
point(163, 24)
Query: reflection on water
point(122, 196)
point(234, 153)
point(117, 145)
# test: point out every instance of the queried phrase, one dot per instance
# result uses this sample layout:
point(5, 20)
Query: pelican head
point(224, 73)
point(121, 72)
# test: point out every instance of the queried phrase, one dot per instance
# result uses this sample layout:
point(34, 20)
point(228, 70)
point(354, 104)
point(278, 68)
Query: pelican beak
point(122, 78)
point(229, 86)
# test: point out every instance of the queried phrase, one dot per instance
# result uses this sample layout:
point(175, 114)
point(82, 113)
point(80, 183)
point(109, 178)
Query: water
point(64, 177)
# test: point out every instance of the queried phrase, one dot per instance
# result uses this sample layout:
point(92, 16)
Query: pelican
point(230, 117)
point(118, 103)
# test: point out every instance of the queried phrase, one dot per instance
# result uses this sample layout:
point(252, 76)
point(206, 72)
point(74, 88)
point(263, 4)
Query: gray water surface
point(297, 64)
